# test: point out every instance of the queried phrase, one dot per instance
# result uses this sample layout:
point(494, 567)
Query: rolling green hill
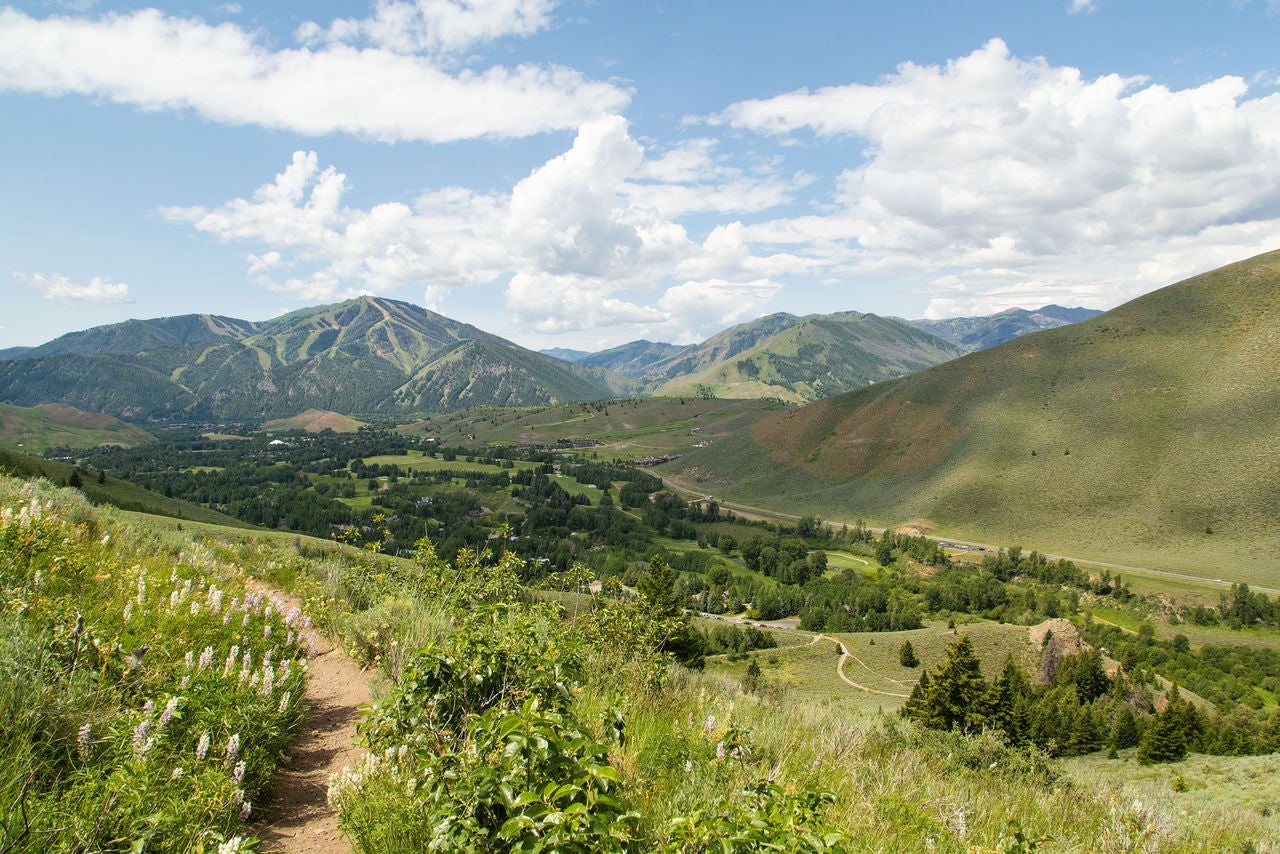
point(363, 356)
point(1146, 435)
point(808, 359)
point(50, 425)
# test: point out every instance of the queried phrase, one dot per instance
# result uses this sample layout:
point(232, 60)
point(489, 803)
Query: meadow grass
point(147, 691)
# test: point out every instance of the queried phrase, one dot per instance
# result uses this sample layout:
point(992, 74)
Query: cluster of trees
point(1076, 707)
point(1239, 609)
point(786, 559)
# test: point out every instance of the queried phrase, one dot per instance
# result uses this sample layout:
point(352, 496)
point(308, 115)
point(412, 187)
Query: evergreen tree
point(1010, 702)
point(915, 708)
point(907, 655)
point(957, 697)
point(1165, 739)
point(1124, 729)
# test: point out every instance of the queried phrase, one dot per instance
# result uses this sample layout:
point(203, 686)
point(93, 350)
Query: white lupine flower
point(84, 739)
point(202, 746)
point(284, 702)
point(206, 657)
point(237, 773)
point(189, 659)
point(169, 709)
point(233, 746)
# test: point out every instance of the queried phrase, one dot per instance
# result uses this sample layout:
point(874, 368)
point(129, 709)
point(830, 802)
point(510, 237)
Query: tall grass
point(146, 693)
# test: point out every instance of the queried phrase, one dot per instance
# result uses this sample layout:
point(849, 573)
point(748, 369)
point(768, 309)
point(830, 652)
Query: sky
point(583, 173)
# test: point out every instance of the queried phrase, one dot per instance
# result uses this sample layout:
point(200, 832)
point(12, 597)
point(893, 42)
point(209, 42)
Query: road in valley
point(697, 495)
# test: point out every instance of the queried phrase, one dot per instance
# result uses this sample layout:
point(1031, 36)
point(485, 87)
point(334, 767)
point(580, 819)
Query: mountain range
point(380, 357)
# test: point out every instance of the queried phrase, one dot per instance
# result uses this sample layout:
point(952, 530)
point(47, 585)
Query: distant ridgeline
point(380, 357)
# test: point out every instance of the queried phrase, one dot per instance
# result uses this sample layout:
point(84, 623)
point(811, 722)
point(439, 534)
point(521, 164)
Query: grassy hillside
point(315, 420)
point(50, 425)
point(1143, 436)
point(630, 429)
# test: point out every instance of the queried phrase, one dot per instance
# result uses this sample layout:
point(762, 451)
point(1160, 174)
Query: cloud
point(62, 289)
point(435, 26)
point(1079, 7)
point(716, 302)
point(589, 239)
point(996, 169)
point(226, 74)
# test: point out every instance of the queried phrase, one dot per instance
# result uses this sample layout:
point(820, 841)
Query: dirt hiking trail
point(294, 816)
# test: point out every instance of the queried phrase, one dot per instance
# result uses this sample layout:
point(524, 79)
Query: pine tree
point(907, 655)
point(916, 708)
point(957, 697)
point(1010, 702)
point(1166, 739)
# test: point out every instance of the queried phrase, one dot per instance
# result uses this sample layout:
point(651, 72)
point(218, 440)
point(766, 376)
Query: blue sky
point(582, 174)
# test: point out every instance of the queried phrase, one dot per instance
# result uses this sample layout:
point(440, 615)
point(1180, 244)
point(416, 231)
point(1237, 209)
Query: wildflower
point(289, 639)
point(233, 746)
point(189, 659)
point(202, 747)
point(245, 621)
point(268, 679)
point(710, 725)
point(266, 631)
point(226, 619)
point(720, 750)
point(128, 610)
point(169, 709)
point(195, 608)
point(284, 701)
point(177, 773)
point(237, 773)
point(142, 741)
point(247, 661)
point(206, 657)
point(245, 809)
point(84, 739)
point(231, 846)
point(106, 538)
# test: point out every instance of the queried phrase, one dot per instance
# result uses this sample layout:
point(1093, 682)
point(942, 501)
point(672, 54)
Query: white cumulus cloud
point(588, 240)
point(62, 289)
point(1030, 181)
point(226, 74)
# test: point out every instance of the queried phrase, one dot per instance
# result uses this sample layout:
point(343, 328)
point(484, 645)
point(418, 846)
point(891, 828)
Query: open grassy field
point(1219, 789)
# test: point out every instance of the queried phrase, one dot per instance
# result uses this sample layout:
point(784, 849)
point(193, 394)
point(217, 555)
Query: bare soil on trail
point(294, 816)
